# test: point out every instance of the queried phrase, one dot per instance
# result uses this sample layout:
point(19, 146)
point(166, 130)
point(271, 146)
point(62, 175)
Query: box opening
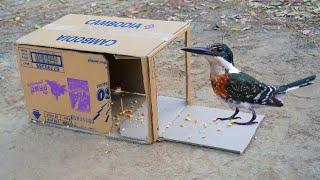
point(129, 101)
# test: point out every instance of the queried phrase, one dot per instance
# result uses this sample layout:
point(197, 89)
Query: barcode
point(44, 58)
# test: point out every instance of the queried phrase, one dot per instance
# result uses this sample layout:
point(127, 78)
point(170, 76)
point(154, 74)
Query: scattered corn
point(187, 119)
point(197, 121)
point(204, 136)
point(206, 125)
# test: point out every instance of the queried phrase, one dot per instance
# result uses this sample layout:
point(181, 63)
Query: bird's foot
point(228, 118)
point(245, 123)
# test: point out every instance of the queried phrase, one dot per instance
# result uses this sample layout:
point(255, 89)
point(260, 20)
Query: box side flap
point(124, 36)
point(91, 42)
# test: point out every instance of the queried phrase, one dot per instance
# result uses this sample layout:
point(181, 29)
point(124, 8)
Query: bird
point(239, 89)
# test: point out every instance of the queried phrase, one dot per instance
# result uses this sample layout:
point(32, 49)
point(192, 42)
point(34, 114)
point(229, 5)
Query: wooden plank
point(187, 56)
point(153, 97)
point(146, 82)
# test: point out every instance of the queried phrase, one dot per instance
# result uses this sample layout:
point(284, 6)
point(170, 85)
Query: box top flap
point(123, 36)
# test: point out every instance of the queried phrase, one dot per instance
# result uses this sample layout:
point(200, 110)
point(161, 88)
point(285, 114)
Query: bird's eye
point(219, 49)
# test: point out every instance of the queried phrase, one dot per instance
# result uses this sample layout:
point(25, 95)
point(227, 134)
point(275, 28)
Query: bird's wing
point(243, 87)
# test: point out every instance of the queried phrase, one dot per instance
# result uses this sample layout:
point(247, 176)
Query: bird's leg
point(254, 116)
point(233, 116)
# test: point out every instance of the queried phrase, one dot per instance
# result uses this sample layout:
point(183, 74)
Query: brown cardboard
point(139, 39)
point(106, 52)
point(66, 95)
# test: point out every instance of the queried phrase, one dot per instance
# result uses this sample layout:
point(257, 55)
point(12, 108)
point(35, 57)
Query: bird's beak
point(198, 50)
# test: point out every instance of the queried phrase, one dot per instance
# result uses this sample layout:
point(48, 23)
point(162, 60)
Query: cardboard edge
point(139, 19)
point(162, 45)
point(146, 84)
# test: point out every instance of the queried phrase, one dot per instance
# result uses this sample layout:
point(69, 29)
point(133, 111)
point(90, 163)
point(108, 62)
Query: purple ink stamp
point(56, 88)
point(38, 87)
point(79, 94)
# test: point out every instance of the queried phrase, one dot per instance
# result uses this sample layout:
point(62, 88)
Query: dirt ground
point(277, 42)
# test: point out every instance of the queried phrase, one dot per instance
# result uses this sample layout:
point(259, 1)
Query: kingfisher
point(238, 89)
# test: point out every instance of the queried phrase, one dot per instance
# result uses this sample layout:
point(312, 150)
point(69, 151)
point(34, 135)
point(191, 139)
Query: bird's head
point(213, 51)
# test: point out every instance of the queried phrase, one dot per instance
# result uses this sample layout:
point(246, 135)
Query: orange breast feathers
point(219, 85)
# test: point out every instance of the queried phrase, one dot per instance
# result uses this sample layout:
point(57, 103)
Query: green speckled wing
point(245, 88)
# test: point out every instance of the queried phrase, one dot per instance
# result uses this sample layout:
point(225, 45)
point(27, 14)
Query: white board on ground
point(202, 129)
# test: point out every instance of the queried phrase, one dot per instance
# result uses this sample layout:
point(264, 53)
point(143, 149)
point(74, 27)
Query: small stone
point(123, 129)
point(306, 32)
point(219, 130)
point(204, 136)
point(36, 26)
point(136, 101)
point(206, 125)
point(67, 126)
point(181, 125)
point(167, 126)
point(189, 137)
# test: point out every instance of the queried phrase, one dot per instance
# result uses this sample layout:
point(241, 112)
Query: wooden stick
point(187, 56)
point(121, 102)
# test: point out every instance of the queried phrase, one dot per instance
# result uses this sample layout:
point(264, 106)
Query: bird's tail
point(295, 85)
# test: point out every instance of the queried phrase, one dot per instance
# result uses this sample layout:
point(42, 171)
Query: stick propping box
point(71, 67)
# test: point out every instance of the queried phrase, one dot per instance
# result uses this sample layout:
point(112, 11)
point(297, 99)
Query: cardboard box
point(64, 69)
